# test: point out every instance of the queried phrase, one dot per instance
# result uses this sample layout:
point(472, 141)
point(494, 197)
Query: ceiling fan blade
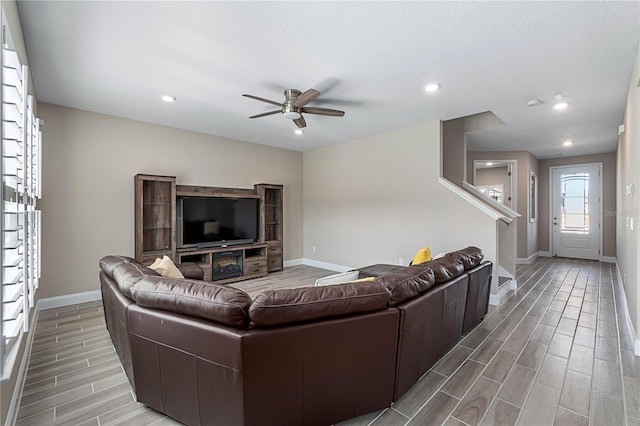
point(323, 111)
point(305, 98)
point(300, 122)
point(266, 113)
point(263, 100)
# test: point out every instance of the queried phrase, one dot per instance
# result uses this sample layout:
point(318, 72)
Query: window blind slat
point(20, 161)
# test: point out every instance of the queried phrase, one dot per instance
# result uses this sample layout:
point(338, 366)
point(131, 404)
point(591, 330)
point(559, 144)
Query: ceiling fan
point(294, 106)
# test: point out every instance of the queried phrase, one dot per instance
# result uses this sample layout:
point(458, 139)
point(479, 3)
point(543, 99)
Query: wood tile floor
point(558, 351)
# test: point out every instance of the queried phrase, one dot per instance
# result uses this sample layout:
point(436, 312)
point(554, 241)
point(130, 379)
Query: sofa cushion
point(274, 307)
point(108, 263)
point(191, 270)
point(379, 269)
point(445, 268)
point(407, 283)
point(225, 305)
point(129, 272)
point(470, 256)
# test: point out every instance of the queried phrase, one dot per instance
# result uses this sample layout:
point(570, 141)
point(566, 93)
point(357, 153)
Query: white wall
point(377, 199)
point(628, 206)
point(88, 201)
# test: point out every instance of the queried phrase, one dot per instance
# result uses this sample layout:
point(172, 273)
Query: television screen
point(211, 220)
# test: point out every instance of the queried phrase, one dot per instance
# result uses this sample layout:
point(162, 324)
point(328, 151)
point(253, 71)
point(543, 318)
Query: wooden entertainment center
point(156, 229)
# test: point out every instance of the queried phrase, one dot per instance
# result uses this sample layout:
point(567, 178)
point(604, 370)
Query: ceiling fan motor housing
point(288, 109)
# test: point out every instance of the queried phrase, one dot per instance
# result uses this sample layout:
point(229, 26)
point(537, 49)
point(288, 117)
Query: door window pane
point(575, 203)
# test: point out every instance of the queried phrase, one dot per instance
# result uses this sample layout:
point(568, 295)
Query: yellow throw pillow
point(166, 267)
point(423, 255)
point(363, 279)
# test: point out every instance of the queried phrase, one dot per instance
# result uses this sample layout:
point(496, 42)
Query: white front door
point(575, 214)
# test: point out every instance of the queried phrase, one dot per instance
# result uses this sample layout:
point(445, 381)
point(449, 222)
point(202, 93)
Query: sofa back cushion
point(470, 257)
point(225, 305)
point(125, 272)
point(445, 268)
point(109, 263)
point(276, 307)
point(408, 282)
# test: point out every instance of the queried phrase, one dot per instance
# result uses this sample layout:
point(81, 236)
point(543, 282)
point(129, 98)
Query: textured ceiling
point(370, 59)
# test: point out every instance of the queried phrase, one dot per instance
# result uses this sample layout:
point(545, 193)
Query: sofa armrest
point(191, 270)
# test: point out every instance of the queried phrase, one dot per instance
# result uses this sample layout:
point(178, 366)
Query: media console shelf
point(155, 211)
point(228, 264)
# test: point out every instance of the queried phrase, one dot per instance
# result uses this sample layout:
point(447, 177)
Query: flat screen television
point(216, 221)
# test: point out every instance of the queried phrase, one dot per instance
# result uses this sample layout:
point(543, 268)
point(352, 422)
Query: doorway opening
point(494, 178)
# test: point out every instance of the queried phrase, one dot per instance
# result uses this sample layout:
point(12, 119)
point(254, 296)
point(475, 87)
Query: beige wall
point(377, 199)
point(454, 143)
point(11, 18)
point(628, 206)
point(88, 203)
point(527, 232)
point(454, 147)
point(608, 198)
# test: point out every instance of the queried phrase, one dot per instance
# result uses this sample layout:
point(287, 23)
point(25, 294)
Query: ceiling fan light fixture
point(289, 111)
point(291, 115)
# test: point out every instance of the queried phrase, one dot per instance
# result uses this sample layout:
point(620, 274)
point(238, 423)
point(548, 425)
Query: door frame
point(600, 166)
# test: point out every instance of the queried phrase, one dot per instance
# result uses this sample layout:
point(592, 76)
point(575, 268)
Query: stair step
point(503, 280)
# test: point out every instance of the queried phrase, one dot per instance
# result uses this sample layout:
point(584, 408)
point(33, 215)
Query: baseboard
point(504, 273)
point(326, 265)
point(608, 259)
point(69, 299)
point(627, 317)
point(12, 413)
point(527, 260)
point(544, 253)
point(293, 262)
point(498, 298)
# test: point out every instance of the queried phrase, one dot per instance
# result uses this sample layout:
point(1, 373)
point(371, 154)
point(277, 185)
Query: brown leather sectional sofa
point(208, 354)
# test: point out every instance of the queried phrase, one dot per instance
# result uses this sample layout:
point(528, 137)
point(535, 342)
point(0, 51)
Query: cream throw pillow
point(166, 267)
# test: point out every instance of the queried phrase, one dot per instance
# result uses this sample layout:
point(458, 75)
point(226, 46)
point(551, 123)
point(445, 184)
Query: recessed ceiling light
point(168, 98)
point(567, 143)
point(489, 164)
point(561, 105)
point(432, 87)
point(298, 131)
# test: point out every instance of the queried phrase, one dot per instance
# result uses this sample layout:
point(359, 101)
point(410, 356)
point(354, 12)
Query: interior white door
point(575, 195)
